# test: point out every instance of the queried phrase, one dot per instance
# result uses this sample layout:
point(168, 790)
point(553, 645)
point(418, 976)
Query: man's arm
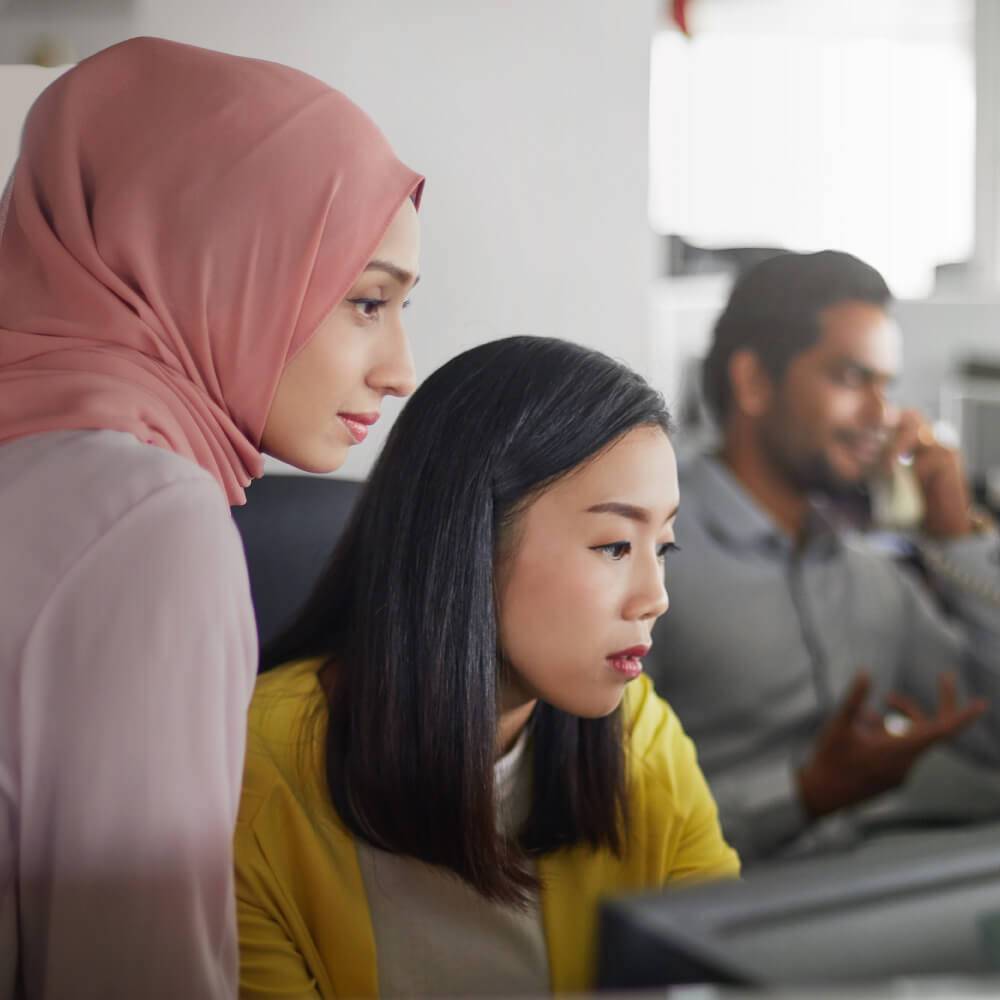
point(965, 639)
point(859, 755)
point(959, 552)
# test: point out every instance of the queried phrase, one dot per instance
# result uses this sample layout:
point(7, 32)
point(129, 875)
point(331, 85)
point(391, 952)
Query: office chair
point(289, 525)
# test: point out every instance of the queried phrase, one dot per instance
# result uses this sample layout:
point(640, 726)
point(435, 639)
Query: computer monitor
point(926, 904)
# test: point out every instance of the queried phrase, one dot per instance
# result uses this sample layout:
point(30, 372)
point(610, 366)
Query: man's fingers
point(906, 435)
point(873, 720)
point(947, 706)
point(853, 702)
point(959, 719)
point(947, 692)
point(905, 706)
point(945, 725)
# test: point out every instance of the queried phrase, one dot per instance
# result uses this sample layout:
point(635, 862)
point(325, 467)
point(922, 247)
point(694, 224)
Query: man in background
point(814, 673)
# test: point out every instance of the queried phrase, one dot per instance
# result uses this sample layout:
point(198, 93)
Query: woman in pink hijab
point(202, 258)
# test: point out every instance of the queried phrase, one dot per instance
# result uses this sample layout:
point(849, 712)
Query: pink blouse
point(127, 659)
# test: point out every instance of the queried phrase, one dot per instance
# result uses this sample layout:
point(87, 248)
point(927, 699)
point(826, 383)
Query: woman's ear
point(752, 388)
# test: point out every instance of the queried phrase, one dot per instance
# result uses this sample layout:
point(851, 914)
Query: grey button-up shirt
point(762, 641)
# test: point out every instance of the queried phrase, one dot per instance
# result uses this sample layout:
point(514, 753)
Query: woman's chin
point(318, 461)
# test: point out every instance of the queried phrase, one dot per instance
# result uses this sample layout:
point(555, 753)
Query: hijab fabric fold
point(177, 225)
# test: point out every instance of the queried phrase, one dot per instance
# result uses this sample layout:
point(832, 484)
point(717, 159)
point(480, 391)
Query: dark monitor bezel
point(678, 936)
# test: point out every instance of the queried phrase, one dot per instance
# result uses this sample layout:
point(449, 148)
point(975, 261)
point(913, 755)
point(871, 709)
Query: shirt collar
point(732, 514)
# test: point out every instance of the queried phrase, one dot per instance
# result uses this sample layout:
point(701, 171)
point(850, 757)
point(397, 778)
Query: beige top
point(435, 935)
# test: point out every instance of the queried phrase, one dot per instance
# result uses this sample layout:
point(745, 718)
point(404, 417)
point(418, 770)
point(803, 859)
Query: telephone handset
point(897, 503)
point(897, 506)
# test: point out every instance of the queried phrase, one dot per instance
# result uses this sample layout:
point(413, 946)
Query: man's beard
point(808, 472)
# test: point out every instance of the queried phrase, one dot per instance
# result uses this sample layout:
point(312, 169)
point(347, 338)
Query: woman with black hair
point(458, 754)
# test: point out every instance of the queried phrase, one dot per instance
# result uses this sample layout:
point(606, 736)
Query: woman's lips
point(358, 424)
point(627, 661)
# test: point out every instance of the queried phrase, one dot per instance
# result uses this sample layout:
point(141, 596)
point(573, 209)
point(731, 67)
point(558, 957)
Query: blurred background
point(601, 171)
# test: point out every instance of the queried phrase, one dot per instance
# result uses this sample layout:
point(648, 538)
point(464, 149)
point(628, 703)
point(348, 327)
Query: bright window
point(819, 125)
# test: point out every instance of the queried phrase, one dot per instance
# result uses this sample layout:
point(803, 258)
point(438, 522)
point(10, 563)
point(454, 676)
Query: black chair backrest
point(290, 525)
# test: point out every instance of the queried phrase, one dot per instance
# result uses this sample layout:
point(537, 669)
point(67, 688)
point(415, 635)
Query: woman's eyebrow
point(628, 510)
point(403, 276)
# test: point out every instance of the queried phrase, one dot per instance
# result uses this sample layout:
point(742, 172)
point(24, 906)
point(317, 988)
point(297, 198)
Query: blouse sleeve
point(672, 802)
point(136, 678)
point(702, 852)
point(271, 967)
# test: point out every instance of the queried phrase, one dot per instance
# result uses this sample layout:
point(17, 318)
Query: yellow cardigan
point(305, 928)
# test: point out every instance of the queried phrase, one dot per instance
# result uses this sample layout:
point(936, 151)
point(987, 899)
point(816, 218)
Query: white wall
point(937, 336)
point(68, 30)
point(529, 118)
point(19, 86)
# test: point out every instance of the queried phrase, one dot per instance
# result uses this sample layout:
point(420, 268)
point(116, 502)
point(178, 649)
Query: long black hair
point(774, 309)
point(405, 616)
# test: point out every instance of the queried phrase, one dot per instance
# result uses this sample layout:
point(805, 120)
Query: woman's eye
point(617, 550)
point(662, 550)
point(369, 308)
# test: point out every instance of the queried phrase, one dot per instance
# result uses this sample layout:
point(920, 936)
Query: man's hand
point(855, 756)
point(939, 473)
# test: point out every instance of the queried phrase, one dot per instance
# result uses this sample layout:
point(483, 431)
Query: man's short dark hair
point(774, 309)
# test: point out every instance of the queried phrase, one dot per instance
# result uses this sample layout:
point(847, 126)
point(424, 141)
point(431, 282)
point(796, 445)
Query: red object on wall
point(678, 13)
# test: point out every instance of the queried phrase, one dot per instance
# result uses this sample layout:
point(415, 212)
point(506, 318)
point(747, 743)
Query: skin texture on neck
point(512, 721)
point(749, 464)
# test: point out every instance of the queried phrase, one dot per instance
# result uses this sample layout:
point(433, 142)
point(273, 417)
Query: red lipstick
point(632, 653)
point(626, 661)
point(358, 424)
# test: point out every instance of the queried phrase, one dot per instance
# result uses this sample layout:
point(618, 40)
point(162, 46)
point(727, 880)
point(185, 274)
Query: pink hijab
point(178, 224)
